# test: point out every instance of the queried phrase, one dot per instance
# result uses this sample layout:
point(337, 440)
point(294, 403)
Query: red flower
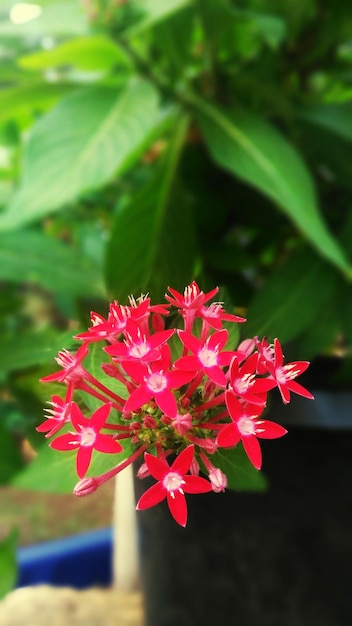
point(57, 416)
point(173, 483)
point(72, 369)
point(214, 315)
point(155, 381)
point(190, 302)
point(247, 427)
point(137, 345)
point(245, 384)
point(207, 356)
point(284, 375)
point(87, 437)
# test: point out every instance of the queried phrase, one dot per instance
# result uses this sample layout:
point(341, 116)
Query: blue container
point(79, 561)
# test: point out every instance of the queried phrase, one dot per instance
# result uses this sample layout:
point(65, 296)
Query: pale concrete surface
point(43, 605)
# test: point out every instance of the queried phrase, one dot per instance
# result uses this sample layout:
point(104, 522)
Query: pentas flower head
point(181, 392)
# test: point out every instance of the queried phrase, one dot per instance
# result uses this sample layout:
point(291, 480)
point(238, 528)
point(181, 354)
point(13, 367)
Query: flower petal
point(300, 390)
point(69, 441)
point(106, 443)
point(83, 459)
point(99, 417)
point(183, 461)
point(138, 397)
point(196, 484)
point(166, 403)
point(178, 507)
point(157, 466)
point(253, 451)
point(228, 437)
point(151, 497)
point(270, 430)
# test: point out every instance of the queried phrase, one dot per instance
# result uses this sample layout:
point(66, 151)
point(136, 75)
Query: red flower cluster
point(185, 392)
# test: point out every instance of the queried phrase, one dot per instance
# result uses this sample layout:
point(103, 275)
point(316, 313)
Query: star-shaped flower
point(173, 483)
point(246, 426)
point(87, 437)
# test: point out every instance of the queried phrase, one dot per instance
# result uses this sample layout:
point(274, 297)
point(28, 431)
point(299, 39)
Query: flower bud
point(109, 369)
point(150, 422)
point(218, 480)
point(182, 423)
point(143, 471)
point(85, 487)
point(157, 322)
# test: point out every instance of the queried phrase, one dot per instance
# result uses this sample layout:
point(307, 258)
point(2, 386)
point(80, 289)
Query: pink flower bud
point(157, 322)
point(109, 369)
point(85, 487)
point(194, 469)
point(143, 471)
point(209, 445)
point(247, 346)
point(150, 422)
point(185, 402)
point(218, 480)
point(209, 387)
point(182, 423)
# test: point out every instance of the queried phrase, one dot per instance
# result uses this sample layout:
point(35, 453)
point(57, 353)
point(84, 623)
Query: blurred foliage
point(146, 143)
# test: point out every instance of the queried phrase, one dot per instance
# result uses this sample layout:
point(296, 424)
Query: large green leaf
point(8, 563)
point(31, 348)
point(20, 102)
point(93, 53)
point(241, 475)
point(151, 12)
point(29, 256)
point(153, 243)
point(292, 297)
point(253, 150)
point(81, 144)
point(55, 472)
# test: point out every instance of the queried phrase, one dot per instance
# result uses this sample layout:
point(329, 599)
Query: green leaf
point(8, 563)
point(92, 53)
point(151, 12)
point(20, 102)
point(89, 137)
point(254, 151)
point(10, 454)
point(29, 256)
point(336, 118)
point(153, 243)
point(31, 348)
point(292, 297)
point(55, 472)
point(241, 475)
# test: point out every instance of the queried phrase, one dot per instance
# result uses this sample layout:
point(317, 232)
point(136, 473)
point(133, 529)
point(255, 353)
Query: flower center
point(207, 357)
point(66, 359)
point(157, 382)
point(139, 350)
point(246, 425)
point(241, 385)
point(285, 373)
point(173, 482)
point(88, 436)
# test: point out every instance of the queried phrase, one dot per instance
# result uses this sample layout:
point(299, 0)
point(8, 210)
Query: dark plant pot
point(79, 561)
point(279, 558)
